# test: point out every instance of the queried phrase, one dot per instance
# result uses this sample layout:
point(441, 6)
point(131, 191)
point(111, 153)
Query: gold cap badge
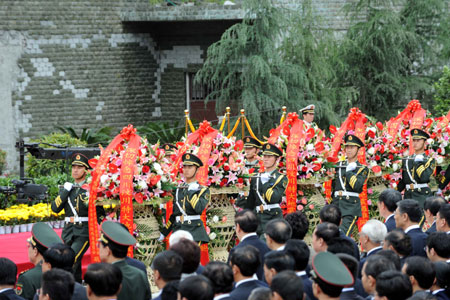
point(415, 131)
point(350, 138)
point(188, 156)
point(167, 147)
point(268, 147)
point(78, 157)
point(248, 140)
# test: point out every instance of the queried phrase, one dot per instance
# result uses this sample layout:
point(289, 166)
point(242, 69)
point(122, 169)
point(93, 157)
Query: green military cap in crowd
point(250, 142)
point(169, 149)
point(328, 268)
point(353, 140)
point(190, 159)
point(271, 149)
point(116, 233)
point(79, 159)
point(417, 134)
point(43, 236)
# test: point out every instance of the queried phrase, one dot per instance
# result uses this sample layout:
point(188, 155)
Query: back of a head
point(350, 262)
point(169, 264)
point(221, 276)
point(246, 259)
point(8, 271)
point(60, 256)
point(327, 231)
point(392, 256)
point(196, 287)
point(279, 230)
point(57, 284)
point(442, 269)
point(393, 285)
point(190, 253)
point(247, 220)
point(444, 212)
point(331, 214)
point(261, 293)
point(375, 230)
point(433, 204)
point(299, 250)
point(178, 235)
point(279, 260)
point(422, 269)
point(299, 224)
point(288, 285)
point(440, 242)
point(377, 264)
point(400, 241)
point(104, 279)
point(411, 208)
point(390, 198)
point(170, 290)
point(341, 245)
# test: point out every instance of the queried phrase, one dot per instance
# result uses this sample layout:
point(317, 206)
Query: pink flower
point(300, 207)
point(224, 219)
point(370, 191)
point(311, 206)
point(208, 230)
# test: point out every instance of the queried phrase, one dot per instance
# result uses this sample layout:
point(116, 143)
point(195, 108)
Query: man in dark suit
point(399, 242)
point(430, 210)
point(407, 217)
point(387, 204)
point(332, 214)
point(371, 237)
point(244, 263)
point(103, 281)
point(287, 285)
point(299, 250)
point(438, 247)
point(278, 232)
point(374, 266)
point(196, 287)
point(443, 219)
point(166, 266)
point(8, 274)
point(246, 226)
point(393, 285)
point(221, 277)
point(348, 292)
point(276, 262)
point(439, 289)
point(420, 272)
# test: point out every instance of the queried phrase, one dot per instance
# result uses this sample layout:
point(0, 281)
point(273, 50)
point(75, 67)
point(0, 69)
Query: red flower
point(332, 159)
point(317, 167)
point(111, 186)
point(93, 162)
point(108, 194)
point(376, 169)
point(371, 134)
point(310, 134)
point(226, 168)
point(139, 198)
point(239, 145)
point(119, 147)
point(154, 180)
point(145, 169)
point(286, 130)
point(223, 182)
point(227, 145)
point(251, 170)
point(319, 147)
point(113, 168)
point(240, 180)
point(333, 129)
point(380, 126)
point(377, 157)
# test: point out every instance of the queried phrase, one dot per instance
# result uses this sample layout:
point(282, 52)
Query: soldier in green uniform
point(169, 149)
point(348, 184)
point(251, 149)
point(267, 189)
point(189, 202)
point(113, 246)
point(73, 199)
point(417, 170)
point(42, 237)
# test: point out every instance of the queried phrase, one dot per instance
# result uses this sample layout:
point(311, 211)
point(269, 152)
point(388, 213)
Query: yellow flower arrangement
point(23, 214)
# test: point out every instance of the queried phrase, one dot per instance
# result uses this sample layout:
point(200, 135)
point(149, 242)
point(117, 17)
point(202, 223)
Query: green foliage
point(90, 136)
point(43, 167)
point(2, 160)
point(442, 95)
point(245, 66)
point(390, 56)
point(162, 132)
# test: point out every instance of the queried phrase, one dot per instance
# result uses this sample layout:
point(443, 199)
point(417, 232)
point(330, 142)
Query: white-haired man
point(371, 238)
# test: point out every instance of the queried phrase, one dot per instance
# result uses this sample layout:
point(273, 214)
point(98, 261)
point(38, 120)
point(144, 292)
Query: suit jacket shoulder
point(10, 295)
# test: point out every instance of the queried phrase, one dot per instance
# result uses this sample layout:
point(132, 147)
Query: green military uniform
point(416, 173)
point(266, 192)
point(347, 185)
point(135, 284)
point(169, 149)
point(42, 237)
point(74, 200)
point(189, 202)
point(250, 142)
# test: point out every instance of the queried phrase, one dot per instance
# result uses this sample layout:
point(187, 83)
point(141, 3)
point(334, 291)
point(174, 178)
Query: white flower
point(430, 141)
point(215, 219)
point(373, 163)
point(157, 167)
point(395, 167)
point(114, 177)
point(142, 185)
point(310, 147)
point(143, 151)
point(103, 178)
point(212, 235)
point(371, 151)
point(158, 185)
point(163, 178)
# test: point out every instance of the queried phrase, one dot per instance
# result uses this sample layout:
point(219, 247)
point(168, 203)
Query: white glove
point(418, 158)
point(68, 186)
point(350, 167)
point(265, 177)
point(193, 187)
point(161, 237)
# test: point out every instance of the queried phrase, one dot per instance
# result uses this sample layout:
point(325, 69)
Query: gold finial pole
point(186, 117)
point(243, 122)
point(228, 109)
point(283, 116)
